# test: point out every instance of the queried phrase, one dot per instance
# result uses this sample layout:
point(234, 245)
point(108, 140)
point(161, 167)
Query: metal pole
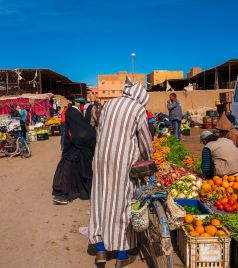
point(133, 64)
point(229, 76)
point(7, 82)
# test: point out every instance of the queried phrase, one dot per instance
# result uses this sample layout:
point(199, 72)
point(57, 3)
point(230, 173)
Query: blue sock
point(100, 246)
point(122, 255)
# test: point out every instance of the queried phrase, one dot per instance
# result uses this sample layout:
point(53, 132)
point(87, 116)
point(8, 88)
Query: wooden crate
point(200, 252)
point(226, 97)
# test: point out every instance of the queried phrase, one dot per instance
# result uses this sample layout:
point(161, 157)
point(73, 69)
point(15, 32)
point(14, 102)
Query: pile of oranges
point(160, 152)
point(226, 186)
point(197, 228)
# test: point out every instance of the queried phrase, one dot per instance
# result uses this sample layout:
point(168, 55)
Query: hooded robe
point(123, 136)
point(225, 125)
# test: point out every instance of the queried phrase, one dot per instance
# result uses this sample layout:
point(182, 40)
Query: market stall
point(208, 236)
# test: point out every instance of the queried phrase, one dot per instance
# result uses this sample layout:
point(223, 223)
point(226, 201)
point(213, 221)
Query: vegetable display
point(187, 187)
point(222, 192)
point(231, 222)
point(211, 226)
point(192, 210)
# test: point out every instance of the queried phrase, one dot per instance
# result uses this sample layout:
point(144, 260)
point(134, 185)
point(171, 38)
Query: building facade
point(194, 71)
point(111, 85)
point(159, 76)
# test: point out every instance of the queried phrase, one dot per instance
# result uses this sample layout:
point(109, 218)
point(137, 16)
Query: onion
point(181, 196)
point(199, 184)
point(194, 188)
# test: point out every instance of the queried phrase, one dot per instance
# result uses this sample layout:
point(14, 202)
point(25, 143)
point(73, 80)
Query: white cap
point(205, 134)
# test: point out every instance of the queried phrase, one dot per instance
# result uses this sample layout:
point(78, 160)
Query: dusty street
point(35, 233)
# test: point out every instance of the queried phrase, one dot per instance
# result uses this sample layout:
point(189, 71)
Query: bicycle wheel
point(160, 236)
point(152, 240)
point(10, 147)
point(23, 148)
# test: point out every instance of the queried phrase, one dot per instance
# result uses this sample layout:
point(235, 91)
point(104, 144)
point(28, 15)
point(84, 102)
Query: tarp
point(39, 106)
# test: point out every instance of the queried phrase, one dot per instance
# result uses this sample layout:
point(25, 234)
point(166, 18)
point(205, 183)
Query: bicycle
point(158, 238)
point(13, 144)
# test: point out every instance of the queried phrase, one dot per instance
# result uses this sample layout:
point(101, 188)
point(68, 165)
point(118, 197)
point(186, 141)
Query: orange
point(194, 233)
point(190, 227)
point(206, 187)
point(215, 187)
point(225, 184)
point(234, 196)
point(225, 177)
point(205, 235)
point(200, 229)
point(199, 222)
point(216, 222)
point(188, 218)
point(231, 178)
point(217, 180)
point(231, 183)
point(210, 229)
point(235, 186)
point(222, 189)
point(210, 182)
point(224, 200)
point(229, 190)
point(210, 195)
point(202, 193)
point(236, 178)
point(220, 233)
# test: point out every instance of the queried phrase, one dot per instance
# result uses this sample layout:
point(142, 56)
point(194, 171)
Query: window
point(103, 92)
point(113, 92)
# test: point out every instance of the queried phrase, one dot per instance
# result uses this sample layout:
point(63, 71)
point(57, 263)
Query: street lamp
point(133, 64)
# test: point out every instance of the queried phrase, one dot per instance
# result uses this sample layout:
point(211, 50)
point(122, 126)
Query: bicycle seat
point(143, 169)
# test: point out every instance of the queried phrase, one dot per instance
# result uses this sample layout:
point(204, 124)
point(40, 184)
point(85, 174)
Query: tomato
point(231, 202)
point(220, 207)
point(236, 207)
point(228, 208)
point(218, 203)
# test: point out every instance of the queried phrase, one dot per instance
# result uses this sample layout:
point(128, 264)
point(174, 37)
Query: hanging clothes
point(225, 125)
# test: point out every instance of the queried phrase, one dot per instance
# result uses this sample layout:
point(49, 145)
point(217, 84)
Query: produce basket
point(194, 203)
point(200, 252)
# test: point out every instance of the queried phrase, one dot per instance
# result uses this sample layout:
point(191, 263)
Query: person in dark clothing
point(88, 113)
point(73, 176)
point(175, 114)
point(16, 114)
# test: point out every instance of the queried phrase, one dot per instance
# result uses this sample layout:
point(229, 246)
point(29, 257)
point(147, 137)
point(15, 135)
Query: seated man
point(219, 156)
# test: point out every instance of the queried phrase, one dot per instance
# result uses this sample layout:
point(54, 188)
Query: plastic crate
point(42, 137)
point(186, 132)
point(194, 203)
point(200, 252)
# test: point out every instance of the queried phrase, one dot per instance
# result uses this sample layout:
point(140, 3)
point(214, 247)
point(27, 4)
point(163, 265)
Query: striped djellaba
point(123, 137)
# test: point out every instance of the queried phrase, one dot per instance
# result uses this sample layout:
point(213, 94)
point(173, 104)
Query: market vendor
point(227, 129)
point(219, 156)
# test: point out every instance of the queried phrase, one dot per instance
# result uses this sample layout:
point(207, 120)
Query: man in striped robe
point(123, 137)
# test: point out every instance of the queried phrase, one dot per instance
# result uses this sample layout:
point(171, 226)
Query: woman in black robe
point(73, 176)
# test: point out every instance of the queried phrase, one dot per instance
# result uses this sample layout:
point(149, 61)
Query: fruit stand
point(211, 205)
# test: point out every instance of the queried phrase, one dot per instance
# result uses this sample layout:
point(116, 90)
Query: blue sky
point(82, 39)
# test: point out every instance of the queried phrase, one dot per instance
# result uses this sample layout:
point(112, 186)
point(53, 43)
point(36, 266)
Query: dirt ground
point(35, 233)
